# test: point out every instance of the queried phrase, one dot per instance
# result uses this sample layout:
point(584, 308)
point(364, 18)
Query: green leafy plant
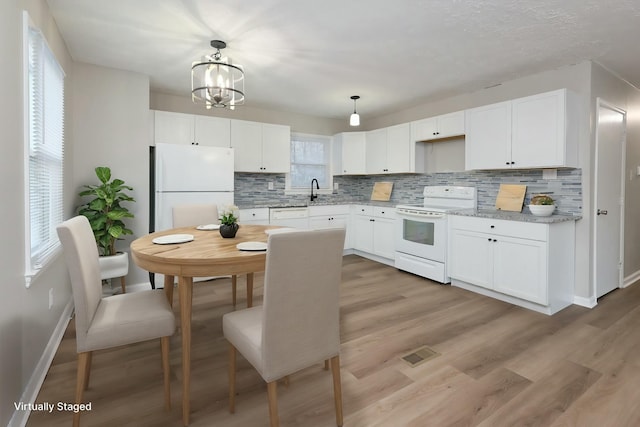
point(104, 212)
point(541, 199)
point(229, 215)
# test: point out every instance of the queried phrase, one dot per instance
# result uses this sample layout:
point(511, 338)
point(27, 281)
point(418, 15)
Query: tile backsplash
point(251, 189)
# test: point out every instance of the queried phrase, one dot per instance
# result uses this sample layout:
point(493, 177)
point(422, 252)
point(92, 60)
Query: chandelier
point(216, 82)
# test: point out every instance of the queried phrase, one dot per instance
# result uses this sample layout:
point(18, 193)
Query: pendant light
point(354, 120)
point(215, 81)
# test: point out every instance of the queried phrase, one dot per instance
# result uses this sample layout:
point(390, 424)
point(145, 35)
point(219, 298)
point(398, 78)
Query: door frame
point(602, 103)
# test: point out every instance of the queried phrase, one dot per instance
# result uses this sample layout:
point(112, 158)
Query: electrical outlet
point(50, 298)
point(336, 185)
point(270, 186)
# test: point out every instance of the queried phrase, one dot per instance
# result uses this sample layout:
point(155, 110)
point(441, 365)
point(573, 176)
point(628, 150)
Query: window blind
point(310, 158)
point(45, 151)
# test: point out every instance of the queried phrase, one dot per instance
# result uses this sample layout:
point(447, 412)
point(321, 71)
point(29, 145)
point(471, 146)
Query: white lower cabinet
point(330, 216)
point(373, 231)
point(259, 216)
point(528, 264)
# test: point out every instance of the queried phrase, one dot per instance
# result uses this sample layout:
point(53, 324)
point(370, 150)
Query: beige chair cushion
point(187, 215)
point(298, 324)
point(129, 318)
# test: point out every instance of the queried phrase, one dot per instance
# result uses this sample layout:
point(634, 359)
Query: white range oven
point(421, 230)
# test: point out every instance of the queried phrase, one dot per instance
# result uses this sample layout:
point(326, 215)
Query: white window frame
point(36, 261)
point(302, 190)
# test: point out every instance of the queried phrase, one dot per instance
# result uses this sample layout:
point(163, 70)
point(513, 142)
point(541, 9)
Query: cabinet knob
point(489, 239)
point(506, 163)
point(493, 226)
point(372, 220)
point(513, 163)
point(494, 240)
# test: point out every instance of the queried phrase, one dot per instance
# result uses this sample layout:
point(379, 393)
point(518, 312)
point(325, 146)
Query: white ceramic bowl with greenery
point(542, 210)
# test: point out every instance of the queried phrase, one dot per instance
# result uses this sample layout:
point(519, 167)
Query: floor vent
point(419, 356)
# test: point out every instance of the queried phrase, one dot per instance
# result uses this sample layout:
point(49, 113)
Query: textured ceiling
point(310, 56)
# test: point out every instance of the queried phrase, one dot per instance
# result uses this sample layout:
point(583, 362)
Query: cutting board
point(382, 191)
point(511, 197)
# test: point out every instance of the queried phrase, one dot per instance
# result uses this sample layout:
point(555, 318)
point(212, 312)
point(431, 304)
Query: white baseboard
point(631, 279)
point(30, 393)
point(585, 302)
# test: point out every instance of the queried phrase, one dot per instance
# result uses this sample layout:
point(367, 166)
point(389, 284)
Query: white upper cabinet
point(538, 131)
point(444, 126)
point(376, 151)
point(349, 153)
point(212, 131)
point(388, 150)
point(544, 131)
point(260, 147)
point(488, 138)
point(399, 153)
point(179, 128)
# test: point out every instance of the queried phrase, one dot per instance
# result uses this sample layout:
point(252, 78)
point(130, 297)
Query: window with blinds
point(44, 150)
point(310, 158)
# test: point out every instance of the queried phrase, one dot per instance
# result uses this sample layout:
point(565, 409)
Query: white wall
point(111, 129)
point(26, 323)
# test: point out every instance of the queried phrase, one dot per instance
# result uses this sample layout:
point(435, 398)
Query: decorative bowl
point(542, 210)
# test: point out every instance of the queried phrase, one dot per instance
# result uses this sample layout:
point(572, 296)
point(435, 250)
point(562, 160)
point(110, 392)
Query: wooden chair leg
point(234, 287)
point(87, 372)
point(272, 392)
point(166, 370)
point(123, 284)
point(232, 378)
point(83, 362)
point(337, 388)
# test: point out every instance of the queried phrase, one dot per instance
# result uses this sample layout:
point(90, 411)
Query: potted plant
point(542, 205)
point(229, 222)
point(105, 214)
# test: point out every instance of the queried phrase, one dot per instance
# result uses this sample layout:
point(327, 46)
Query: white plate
point(173, 239)
point(252, 246)
point(208, 227)
point(280, 230)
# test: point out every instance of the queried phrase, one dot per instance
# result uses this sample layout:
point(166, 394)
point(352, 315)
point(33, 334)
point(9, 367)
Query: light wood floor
point(499, 365)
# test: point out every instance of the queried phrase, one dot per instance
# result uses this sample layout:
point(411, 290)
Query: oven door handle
point(417, 215)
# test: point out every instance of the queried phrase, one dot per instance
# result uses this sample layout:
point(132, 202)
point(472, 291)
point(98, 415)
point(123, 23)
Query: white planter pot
point(542, 210)
point(114, 265)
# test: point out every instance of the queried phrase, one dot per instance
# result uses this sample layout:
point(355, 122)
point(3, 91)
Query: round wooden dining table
point(207, 255)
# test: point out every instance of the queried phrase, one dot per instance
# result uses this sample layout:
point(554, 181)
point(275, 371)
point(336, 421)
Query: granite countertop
point(515, 216)
point(295, 204)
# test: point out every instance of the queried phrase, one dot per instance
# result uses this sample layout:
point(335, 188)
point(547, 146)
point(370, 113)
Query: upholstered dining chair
point(194, 215)
point(113, 321)
point(298, 323)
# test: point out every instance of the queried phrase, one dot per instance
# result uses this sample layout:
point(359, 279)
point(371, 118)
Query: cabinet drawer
point(363, 210)
point(254, 214)
point(500, 227)
point(381, 212)
point(329, 210)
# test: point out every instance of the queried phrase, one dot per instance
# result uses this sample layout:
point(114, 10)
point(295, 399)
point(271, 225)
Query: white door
point(608, 244)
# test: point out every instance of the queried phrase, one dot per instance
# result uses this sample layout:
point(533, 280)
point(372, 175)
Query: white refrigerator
point(189, 174)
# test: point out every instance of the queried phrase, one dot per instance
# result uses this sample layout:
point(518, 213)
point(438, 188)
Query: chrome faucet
point(314, 196)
